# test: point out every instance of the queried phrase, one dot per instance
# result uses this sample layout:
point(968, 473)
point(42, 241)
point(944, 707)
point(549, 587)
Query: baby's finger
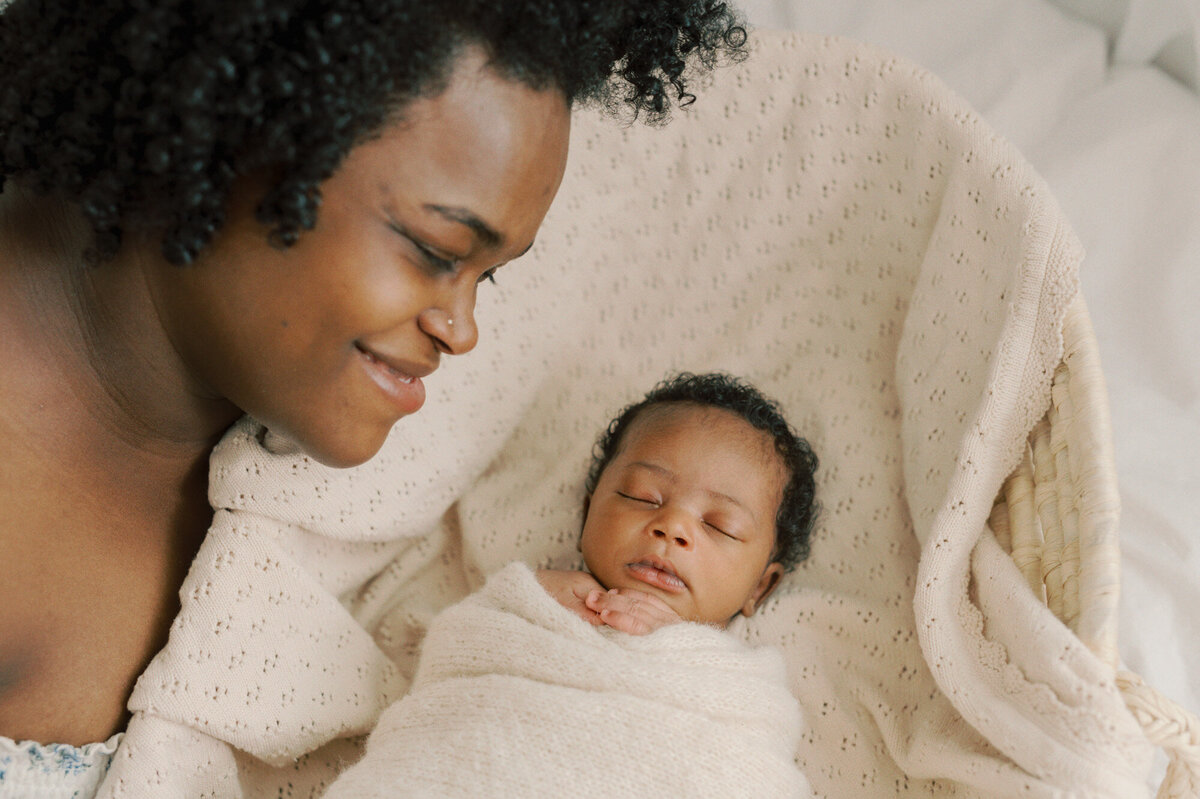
point(626, 622)
point(633, 611)
point(589, 615)
point(579, 606)
point(635, 602)
point(570, 589)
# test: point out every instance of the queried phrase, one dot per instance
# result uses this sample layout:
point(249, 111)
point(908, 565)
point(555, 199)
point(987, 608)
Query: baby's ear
point(766, 584)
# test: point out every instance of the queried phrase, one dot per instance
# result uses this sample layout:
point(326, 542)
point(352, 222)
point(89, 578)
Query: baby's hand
point(630, 611)
point(570, 589)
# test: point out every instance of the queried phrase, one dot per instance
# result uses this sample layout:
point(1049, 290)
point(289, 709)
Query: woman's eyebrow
point(482, 230)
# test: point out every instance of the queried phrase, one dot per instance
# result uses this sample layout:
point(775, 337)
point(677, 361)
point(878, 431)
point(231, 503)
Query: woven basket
point(1057, 516)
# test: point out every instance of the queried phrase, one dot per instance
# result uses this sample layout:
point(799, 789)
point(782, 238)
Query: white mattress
point(1100, 95)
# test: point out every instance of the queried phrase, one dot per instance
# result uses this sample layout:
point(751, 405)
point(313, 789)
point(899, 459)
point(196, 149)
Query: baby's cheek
point(687, 609)
point(600, 572)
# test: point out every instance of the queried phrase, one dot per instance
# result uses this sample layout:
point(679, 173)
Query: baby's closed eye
point(647, 499)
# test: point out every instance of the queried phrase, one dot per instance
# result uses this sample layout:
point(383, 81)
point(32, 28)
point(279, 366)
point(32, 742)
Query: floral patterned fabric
point(31, 770)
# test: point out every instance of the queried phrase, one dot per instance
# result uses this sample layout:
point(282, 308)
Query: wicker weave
point(1057, 516)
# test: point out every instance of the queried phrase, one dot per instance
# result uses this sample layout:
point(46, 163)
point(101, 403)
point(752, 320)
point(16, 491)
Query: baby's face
point(686, 511)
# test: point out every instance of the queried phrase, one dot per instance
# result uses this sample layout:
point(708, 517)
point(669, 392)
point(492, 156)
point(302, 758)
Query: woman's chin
point(343, 449)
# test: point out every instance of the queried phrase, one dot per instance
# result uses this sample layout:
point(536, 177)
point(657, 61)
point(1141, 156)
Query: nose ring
point(449, 321)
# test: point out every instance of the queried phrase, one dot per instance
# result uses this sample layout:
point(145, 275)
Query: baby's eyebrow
point(670, 475)
point(654, 467)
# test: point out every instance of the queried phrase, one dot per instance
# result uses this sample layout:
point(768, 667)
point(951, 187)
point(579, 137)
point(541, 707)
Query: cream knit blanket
point(516, 696)
point(829, 222)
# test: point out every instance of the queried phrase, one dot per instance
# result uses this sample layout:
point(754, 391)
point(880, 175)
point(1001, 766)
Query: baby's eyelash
point(723, 532)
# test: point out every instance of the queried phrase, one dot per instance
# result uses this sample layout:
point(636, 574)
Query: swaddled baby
point(621, 680)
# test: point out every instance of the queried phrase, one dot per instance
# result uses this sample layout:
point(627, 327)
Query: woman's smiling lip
point(658, 573)
point(399, 380)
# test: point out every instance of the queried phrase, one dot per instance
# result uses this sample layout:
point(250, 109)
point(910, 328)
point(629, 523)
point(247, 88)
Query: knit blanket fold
point(831, 223)
point(516, 696)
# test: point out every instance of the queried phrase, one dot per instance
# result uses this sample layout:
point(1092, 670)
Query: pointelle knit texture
point(833, 224)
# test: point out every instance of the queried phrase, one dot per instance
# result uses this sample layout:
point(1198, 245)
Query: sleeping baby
point(621, 680)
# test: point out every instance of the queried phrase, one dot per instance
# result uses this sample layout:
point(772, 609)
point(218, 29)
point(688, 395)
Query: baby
point(700, 497)
point(698, 500)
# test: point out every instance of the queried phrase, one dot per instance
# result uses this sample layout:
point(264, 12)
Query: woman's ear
point(766, 584)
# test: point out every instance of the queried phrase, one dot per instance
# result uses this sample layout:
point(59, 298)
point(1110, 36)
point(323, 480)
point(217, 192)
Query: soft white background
point(1101, 96)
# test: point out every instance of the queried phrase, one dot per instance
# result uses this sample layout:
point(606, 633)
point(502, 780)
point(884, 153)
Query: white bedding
point(1100, 96)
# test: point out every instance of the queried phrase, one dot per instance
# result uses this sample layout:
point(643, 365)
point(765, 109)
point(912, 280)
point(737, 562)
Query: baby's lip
point(657, 572)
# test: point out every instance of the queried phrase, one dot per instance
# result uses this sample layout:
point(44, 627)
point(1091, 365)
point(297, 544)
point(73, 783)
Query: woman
point(279, 208)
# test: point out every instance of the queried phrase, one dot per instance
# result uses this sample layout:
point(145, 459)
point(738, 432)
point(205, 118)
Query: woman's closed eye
point(434, 259)
point(441, 264)
point(435, 262)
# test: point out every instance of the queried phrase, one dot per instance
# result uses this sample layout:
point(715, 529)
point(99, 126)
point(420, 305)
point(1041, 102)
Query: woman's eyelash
point(436, 261)
point(432, 260)
point(441, 264)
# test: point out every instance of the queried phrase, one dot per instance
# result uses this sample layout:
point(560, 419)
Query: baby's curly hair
point(797, 509)
point(144, 111)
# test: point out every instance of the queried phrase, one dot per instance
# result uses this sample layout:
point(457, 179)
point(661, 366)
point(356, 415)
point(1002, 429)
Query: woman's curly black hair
point(797, 509)
point(144, 111)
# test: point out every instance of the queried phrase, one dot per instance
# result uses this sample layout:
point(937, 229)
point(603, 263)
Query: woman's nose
point(452, 329)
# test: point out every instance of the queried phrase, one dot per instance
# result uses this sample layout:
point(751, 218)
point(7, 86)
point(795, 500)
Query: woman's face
point(327, 342)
